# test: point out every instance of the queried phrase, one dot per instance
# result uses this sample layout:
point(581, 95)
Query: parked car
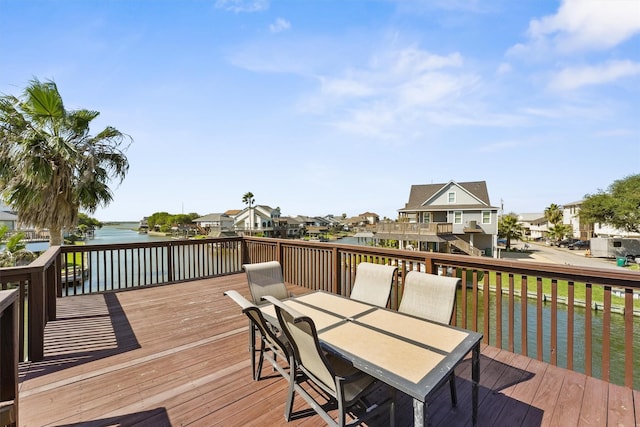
point(580, 244)
point(566, 242)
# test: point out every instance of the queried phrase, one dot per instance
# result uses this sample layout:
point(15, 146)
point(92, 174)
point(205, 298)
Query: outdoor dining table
point(411, 354)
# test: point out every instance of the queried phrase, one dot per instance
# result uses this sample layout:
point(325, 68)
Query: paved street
point(543, 253)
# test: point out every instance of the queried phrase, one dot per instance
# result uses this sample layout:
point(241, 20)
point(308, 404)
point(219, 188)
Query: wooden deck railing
point(530, 326)
point(554, 323)
point(99, 268)
point(415, 228)
point(37, 300)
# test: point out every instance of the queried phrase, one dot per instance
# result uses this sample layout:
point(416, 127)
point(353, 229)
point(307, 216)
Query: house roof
point(233, 212)
point(530, 216)
point(213, 217)
point(421, 193)
point(8, 216)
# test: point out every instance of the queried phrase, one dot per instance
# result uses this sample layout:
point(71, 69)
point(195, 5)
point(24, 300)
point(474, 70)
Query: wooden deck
point(177, 355)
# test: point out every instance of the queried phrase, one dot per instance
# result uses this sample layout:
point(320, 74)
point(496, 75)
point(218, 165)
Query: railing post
point(169, 263)
point(51, 286)
point(9, 362)
point(337, 273)
point(35, 351)
point(279, 256)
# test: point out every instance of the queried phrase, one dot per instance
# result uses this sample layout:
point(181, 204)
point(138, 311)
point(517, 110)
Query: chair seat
point(352, 389)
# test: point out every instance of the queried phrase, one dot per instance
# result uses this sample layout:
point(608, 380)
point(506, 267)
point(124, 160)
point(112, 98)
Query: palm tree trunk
point(55, 237)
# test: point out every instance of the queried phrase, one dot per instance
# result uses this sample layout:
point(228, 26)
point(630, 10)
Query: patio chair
point(265, 278)
point(269, 340)
point(431, 297)
point(373, 283)
point(343, 384)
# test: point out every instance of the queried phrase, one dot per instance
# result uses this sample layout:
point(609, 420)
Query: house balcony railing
point(414, 228)
point(576, 317)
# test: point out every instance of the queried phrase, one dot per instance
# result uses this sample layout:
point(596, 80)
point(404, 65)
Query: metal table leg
point(475, 377)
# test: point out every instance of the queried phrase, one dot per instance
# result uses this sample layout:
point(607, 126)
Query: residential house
point(587, 231)
point(370, 218)
point(9, 220)
point(534, 225)
point(448, 217)
point(291, 227)
point(260, 219)
point(214, 223)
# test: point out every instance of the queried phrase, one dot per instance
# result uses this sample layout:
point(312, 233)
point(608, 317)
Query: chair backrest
point(253, 313)
point(303, 337)
point(373, 283)
point(265, 278)
point(429, 296)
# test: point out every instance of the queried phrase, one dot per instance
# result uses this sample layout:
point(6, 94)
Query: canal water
point(126, 233)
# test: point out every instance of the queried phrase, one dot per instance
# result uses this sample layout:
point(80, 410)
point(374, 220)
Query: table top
point(411, 354)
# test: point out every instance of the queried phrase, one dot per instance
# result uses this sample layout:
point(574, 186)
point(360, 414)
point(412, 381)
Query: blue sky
point(331, 107)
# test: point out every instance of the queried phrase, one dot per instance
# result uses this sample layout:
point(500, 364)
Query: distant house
point(587, 231)
point(534, 225)
point(370, 217)
point(258, 219)
point(291, 227)
point(448, 217)
point(360, 221)
point(9, 220)
point(215, 221)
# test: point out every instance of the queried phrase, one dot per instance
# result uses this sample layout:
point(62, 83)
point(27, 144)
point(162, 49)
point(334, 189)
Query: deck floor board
point(177, 355)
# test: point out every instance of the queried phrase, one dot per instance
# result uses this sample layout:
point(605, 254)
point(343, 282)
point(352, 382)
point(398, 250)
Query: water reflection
point(616, 334)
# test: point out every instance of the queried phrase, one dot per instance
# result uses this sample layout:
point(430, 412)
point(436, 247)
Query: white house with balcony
point(258, 219)
point(452, 216)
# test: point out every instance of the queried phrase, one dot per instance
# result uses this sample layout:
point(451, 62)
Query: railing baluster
point(511, 311)
point(606, 333)
point(523, 311)
point(628, 338)
point(587, 330)
point(539, 321)
point(553, 349)
point(499, 310)
point(570, 323)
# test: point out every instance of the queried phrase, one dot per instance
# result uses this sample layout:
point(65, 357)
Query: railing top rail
point(172, 242)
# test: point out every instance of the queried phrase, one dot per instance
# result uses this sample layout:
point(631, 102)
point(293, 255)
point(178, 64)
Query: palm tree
point(553, 214)
point(248, 199)
point(509, 228)
point(50, 166)
point(560, 231)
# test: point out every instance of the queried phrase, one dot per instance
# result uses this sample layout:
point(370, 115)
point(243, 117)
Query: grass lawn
point(579, 290)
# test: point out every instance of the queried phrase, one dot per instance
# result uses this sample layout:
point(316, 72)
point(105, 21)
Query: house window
point(486, 217)
point(452, 196)
point(457, 217)
point(426, 217)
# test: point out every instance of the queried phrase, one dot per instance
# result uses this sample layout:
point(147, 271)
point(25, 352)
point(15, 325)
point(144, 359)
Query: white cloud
point(575, 77)
point(581, 25)
point(504, 68)
point(280, 25)
point(242, 5)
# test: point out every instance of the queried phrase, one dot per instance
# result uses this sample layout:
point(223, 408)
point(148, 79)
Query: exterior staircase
point(462, 245)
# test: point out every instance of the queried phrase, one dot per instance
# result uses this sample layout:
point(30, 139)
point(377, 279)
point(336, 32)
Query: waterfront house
point(291, 227)
point(448, 217)
point(9, 220)
point(215, 222)
point(261, 219)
